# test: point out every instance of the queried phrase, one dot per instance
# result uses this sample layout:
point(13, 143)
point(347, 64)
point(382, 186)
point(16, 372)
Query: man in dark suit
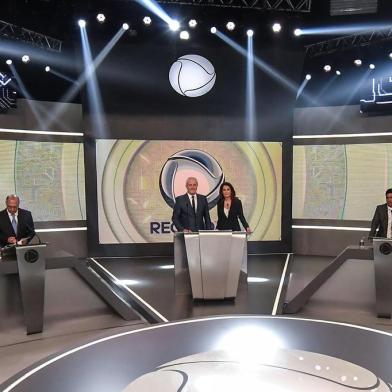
point(382, 220)
point(191, 212)
point(16, 224)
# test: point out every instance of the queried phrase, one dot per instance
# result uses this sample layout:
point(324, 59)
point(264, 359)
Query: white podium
point(208, 263)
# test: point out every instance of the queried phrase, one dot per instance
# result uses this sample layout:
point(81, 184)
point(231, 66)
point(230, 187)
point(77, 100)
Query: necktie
point(193, 204)
point(14, 225)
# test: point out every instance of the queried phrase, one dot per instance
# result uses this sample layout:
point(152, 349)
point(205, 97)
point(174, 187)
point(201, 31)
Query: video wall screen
point(48, 177)
point(138, 180)
point(340, 182)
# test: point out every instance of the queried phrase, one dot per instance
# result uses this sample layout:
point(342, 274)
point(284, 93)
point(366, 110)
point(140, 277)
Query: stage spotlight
point(192, 23)
point(327, 68)
point(308, 77)
point(147, 20)
point(338, 72)
point(213, 30)
point(372, 66)
point(184, 34)
point(390, 55)
point(82, 23)
point(47, 68)
point(249, 33)
point(8, 62)
point(101, 18)
point(276, 27)
point(230, 26)
point(174, 25)
point(297, 32)
point(125, 26)
point(26, 58)
point(358, 62)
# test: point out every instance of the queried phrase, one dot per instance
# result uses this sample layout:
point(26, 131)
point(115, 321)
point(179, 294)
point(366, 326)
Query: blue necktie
point(14, 225)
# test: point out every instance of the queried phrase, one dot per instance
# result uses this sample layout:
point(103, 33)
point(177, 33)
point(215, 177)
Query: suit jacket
point(231, 222)
point(25, 226)
point(380, 222)
point(185, 218)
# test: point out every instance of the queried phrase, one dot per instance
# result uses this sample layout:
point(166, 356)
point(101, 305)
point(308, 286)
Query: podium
point(30, 260)
point(382, 250)
point(208, 263)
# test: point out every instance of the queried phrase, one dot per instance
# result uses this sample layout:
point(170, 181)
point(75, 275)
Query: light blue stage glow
point(82, 79)
point(156, 9)
point(96, 114)
point(29, 99)
point(273, 73)
point(61, 75)
point(345, 29)
point(250, 92)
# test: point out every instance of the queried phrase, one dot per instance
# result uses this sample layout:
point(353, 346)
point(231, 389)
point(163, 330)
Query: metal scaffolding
point(267, 5)
point(11, 31)
point(366, 38)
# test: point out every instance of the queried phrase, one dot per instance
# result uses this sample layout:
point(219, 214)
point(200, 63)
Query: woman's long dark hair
point(231, 188)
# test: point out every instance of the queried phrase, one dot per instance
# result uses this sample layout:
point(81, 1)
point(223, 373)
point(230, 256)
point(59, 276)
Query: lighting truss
point(11, 31)
point(348, 42)
point(267, 5)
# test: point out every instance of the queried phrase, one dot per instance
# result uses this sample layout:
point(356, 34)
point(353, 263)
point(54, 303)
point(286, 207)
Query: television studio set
point(196, 195)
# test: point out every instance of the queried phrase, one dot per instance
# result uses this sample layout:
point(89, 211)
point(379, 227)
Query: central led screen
point(137, 182)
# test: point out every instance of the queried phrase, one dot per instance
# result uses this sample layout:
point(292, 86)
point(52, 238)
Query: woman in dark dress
point(230, 210)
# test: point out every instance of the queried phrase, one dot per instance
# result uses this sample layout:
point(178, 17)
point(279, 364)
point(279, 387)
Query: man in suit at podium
point(16, 224)
point(382, 220)
point(191, 212)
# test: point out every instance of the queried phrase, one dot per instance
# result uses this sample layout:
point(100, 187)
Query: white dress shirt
point(190, 200)
point(389, 233)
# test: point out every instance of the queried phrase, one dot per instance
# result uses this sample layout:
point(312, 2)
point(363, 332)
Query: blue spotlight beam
point(302, 88)
point(62, 76)
point(82, 79)
point(273, 73)
point(97, 116)
point(154, 7)
point(26, 94)
point(250, 93)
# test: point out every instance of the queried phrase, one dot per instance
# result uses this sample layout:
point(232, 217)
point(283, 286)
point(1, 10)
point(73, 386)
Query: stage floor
point(153, 280)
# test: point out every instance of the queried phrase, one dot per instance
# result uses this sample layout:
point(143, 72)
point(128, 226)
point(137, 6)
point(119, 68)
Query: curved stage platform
point(222, 354)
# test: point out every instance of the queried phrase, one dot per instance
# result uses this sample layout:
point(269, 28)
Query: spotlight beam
point(82, 79)
point(344, 29)
point(154, 7)
point(26, 94)
point(250, 92)
point(62, 76)
point(273, 73)
point(94, 99)
point(302, 88)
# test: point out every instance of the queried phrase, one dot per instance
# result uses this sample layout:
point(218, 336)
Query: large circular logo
point(192, 75)
point(191, 163)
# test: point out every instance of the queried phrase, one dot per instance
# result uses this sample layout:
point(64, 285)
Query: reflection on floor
point(153, 280)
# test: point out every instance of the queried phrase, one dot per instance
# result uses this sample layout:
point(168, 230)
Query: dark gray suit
point(380, 222)
point(25, 226)
point(185, 218)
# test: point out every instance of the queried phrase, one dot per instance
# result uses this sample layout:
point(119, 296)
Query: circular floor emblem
point(285, 370)
point(192, 75)
point(31, 256)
